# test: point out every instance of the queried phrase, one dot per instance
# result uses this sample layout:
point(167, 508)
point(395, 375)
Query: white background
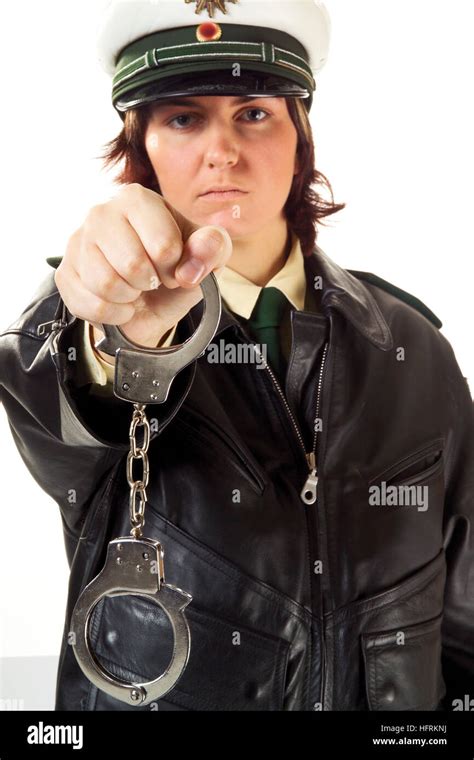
point(393, 126)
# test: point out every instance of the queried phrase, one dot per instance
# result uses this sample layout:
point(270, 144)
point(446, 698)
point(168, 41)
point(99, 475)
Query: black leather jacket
point(339, 605)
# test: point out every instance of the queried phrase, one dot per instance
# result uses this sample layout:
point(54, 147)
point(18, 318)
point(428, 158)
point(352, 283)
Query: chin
point(235, 227)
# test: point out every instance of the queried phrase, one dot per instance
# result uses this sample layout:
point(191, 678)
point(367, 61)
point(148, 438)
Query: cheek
point(172, 164)
point(274, 163)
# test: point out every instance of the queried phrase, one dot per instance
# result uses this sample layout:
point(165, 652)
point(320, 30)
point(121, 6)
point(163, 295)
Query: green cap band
point(159, 56)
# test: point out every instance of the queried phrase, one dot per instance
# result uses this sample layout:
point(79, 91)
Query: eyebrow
point(192, 102)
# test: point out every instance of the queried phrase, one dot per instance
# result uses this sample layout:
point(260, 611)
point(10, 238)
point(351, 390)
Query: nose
point(221, 149)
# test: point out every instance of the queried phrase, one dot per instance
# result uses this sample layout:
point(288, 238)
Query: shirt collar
point(341, 291)
point(240, 294)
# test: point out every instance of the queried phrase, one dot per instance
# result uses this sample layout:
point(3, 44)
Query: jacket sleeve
point(458, 621)
point(68, 438)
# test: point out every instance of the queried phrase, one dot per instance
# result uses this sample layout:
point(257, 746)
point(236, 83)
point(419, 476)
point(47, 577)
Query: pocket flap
point(230, 667)
point(403, 667)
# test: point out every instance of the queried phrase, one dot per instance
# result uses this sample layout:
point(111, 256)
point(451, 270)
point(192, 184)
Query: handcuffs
point(135, 564)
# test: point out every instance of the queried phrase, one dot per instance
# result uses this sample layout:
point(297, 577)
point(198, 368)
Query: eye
point(256, 111)
point(179, 116)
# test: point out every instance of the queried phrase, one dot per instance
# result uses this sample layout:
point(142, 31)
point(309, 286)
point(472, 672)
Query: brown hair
point(304, 208)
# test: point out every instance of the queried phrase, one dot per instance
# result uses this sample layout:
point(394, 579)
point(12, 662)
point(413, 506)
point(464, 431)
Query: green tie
point(265, 320)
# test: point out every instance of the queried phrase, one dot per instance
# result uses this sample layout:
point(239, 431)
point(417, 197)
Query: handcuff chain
point(138, 487)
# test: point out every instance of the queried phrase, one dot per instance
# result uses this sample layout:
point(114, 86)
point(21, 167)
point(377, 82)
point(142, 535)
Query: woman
point(316, 505)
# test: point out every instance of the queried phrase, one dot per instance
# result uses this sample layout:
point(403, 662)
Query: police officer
point(307, 593)
point(158, 52)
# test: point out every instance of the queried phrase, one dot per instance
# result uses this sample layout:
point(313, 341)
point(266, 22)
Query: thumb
point(212, 245)
point(215, 239)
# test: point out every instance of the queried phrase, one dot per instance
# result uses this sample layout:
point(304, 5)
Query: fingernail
point(192, 270)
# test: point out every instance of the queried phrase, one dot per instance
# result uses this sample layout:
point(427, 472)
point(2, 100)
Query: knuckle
point(133, 192)
point(132, 268)
point(136, 188)
point(97, 211)
point(127, 189)
point(75, 238)
point(94, 218)
point(107, 283)
point(166, 250)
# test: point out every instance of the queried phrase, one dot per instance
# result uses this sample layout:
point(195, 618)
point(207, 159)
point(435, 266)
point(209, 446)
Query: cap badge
point(211, 5)
point(208, 32)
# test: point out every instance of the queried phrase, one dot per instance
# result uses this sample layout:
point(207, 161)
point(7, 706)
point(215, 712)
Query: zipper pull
point(55, 325)
point(309, 491)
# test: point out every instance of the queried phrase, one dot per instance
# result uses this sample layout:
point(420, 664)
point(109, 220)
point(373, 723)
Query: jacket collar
point(345, 293)
point(341, 291)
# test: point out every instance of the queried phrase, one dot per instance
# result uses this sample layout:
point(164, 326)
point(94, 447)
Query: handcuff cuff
point(134, 564)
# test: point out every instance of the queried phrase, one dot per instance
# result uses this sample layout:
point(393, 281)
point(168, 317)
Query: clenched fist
point(137, 262)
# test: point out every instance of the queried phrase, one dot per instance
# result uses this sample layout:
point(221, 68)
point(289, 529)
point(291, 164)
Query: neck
point(259, 257)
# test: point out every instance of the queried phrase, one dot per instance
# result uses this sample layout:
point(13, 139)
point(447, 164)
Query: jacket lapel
point(340, 291)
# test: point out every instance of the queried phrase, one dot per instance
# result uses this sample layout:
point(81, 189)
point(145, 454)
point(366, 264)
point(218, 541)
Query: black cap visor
point(250, 85)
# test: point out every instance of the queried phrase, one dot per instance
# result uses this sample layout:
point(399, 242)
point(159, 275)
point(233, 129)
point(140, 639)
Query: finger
point(86, 305)
point(122, 247)
point(158, 231)
point(100, 278)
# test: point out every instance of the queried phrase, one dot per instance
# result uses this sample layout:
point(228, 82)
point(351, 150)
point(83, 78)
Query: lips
point(223, 193)
point(223, 189)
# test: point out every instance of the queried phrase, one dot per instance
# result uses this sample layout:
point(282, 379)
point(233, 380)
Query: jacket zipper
point(56, 324)
point(308, 493)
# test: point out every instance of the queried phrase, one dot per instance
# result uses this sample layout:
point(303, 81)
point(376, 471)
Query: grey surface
point(28, 683)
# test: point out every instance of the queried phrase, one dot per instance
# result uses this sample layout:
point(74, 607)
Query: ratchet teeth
point(106, 345)
point(112, 340)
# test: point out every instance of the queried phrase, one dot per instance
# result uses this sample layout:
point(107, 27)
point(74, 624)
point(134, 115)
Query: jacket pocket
point(215, 443)
point(230, 667)
point(424, 464)
point(403, 667)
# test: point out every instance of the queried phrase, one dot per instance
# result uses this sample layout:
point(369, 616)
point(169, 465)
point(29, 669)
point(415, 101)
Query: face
point(245, 146)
